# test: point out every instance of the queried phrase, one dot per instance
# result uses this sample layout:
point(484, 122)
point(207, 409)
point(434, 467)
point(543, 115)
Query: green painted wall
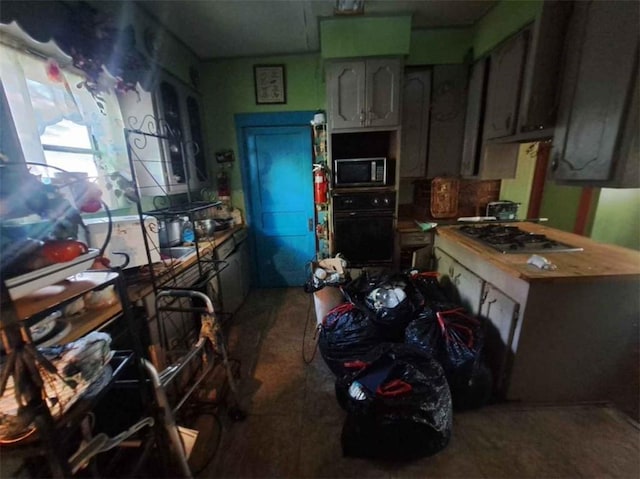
point(503, 20)
point(229, 89)
point(518, 189)
point(617, 217)
point(439, 46)
point(365, 36)
point(560, 205)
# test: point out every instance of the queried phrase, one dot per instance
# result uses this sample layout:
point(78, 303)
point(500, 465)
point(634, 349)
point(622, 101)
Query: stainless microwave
point(360, 172)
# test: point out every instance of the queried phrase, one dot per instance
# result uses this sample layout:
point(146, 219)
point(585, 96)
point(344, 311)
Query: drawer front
point(417, 238)
point(225, 249)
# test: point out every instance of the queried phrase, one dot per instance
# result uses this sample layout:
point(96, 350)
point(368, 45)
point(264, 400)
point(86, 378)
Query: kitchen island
point(567, 334)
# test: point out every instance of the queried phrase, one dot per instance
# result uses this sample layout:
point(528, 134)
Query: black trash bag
point(424, 333)
point(432, 293)
point(471, 385)
point(455, 339)
point(392, 316)
point(462, 338)
point(347, 334)
point(399, 405)
point(429, 288)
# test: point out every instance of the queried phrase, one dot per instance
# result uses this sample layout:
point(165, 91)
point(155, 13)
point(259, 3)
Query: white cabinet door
point(501, 313)
point(364, 93)
point(464, 284)
point(346, 94)
point(382, 92)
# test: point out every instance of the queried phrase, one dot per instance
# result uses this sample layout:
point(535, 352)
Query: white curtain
point(37, 98)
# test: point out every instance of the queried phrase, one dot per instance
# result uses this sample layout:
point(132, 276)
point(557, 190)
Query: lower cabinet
point(466, 286)
point(573, 339)
point(234, 279)
point(483, 299)
point(501, 314)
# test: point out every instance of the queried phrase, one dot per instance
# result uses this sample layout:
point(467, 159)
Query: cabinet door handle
point(555, 162)
point(310, 224)
point(371, 116)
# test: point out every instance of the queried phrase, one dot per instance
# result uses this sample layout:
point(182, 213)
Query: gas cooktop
point(511, 239)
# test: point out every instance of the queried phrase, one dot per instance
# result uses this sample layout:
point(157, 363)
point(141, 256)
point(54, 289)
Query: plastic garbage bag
point(389, 299)
point(455, 339)
point(346, 335)
point(399, 405)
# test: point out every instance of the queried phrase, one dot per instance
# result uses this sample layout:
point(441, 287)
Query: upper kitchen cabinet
point(523, 72)
point(416, 100)
point(483, 160)
point(170, 113)
point(596, 137)
point(364, 93)
point(179, 107)
point(166, 166)
point(446, 128)
point(503, 92)
point(540, 93)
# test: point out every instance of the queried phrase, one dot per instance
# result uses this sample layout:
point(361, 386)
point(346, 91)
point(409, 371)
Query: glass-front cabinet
point(177, 161)
point(185, 162)
point(174, 153)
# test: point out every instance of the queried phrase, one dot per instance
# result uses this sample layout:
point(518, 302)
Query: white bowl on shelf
point(23, 285)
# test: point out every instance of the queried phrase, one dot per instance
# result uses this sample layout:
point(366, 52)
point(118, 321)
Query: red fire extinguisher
point(320, 184)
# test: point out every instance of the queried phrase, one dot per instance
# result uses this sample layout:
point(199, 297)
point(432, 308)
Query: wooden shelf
point(56, 294)
point(90, 320)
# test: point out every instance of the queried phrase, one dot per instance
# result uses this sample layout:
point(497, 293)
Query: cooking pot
point(169, 232)
point(205, 228)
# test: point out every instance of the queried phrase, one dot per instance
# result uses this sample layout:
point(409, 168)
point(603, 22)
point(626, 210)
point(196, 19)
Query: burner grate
point(511, 239)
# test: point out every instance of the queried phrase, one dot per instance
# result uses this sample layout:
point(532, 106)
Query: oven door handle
point(364, 214)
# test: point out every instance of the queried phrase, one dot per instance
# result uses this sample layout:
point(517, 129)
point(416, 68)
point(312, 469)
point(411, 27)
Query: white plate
point(24, 284)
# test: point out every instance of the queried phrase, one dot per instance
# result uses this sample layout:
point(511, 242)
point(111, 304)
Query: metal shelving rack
point(181, 305)
point(323, 210)
point(178, 293)
point(27, 365)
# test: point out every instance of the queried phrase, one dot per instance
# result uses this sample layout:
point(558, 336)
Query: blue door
point(281, 202)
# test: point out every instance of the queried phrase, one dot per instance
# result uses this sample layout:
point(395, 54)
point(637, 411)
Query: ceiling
point(237, 28)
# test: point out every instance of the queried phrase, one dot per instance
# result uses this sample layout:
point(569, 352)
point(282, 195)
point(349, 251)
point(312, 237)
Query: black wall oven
point(364, 227)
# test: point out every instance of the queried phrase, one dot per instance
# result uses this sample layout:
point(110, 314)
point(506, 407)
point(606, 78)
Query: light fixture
point(349, 7)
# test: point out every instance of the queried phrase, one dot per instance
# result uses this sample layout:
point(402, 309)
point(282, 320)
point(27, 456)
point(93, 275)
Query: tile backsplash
point(472, 198)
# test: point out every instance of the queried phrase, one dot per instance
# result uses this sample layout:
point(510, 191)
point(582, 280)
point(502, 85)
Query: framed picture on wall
point(270, 84)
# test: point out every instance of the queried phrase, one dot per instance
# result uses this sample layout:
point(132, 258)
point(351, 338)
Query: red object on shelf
point(320, 186)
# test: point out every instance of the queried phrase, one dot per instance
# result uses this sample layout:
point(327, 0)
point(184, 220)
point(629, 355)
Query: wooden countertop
point(81, 324)
point(598, 260)
point(143, 288)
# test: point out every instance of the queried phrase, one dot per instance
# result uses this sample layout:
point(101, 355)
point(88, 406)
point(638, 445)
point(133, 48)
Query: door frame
point(251, 120)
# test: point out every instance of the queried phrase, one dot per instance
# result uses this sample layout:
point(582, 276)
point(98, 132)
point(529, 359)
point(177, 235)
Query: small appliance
point(127, 236)
point(503, 210)
point(350, 172)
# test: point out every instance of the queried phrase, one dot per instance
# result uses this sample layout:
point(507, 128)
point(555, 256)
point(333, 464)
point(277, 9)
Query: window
point(60, 124)
point(67, 145)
